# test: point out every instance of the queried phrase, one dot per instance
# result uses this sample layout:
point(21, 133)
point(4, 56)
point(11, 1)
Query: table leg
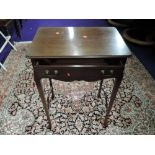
point(21, 23)
point(41, 93)
point(51, 91)
point(99, 92)
point(113, 95)
point(17, 28)
point(51, 85)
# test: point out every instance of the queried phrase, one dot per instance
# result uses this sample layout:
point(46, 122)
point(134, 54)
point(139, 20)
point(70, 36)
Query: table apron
point(70, 73)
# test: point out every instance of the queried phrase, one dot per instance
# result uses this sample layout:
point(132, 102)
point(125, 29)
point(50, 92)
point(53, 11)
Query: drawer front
point(76, 73)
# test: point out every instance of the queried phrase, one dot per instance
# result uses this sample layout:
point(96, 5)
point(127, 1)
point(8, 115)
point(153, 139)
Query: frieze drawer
point(76, 72)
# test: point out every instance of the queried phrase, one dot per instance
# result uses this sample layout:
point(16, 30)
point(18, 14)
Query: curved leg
point(99, 92)
point(41, 93)
point(51, 85)
point(113, 95)
point(51, 90)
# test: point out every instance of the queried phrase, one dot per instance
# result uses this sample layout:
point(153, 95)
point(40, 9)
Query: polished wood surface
point(82, 42)
point(82, 53)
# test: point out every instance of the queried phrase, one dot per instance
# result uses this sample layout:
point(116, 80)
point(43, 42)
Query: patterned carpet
point(75, 108)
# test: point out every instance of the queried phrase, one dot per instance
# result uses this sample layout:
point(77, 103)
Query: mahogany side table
point(78, 53)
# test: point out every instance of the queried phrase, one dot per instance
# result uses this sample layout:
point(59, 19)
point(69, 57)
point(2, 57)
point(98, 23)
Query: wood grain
point(78, 42)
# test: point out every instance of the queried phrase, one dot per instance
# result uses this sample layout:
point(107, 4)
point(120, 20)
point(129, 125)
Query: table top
point(78, 42)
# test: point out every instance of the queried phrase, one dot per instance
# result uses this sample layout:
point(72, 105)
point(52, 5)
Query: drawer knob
point(47, 71)
point(37, 63)
point(111, 71)
point(68, 74)
point(103, 71)
point(56, 72)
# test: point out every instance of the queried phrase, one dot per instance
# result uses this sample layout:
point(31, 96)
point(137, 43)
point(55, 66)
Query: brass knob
point(56, 72)
point(111, 71)
point(47, 71)
point(37, 63)
point(68, 74)
point(103, 71)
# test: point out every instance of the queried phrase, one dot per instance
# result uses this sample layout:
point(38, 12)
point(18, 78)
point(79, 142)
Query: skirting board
point(22, 42)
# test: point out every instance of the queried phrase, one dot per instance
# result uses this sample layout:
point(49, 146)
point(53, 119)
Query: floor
point(76, 109)
point(145, 54)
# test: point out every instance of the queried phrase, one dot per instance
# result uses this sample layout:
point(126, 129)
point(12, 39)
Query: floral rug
point(75, 108)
